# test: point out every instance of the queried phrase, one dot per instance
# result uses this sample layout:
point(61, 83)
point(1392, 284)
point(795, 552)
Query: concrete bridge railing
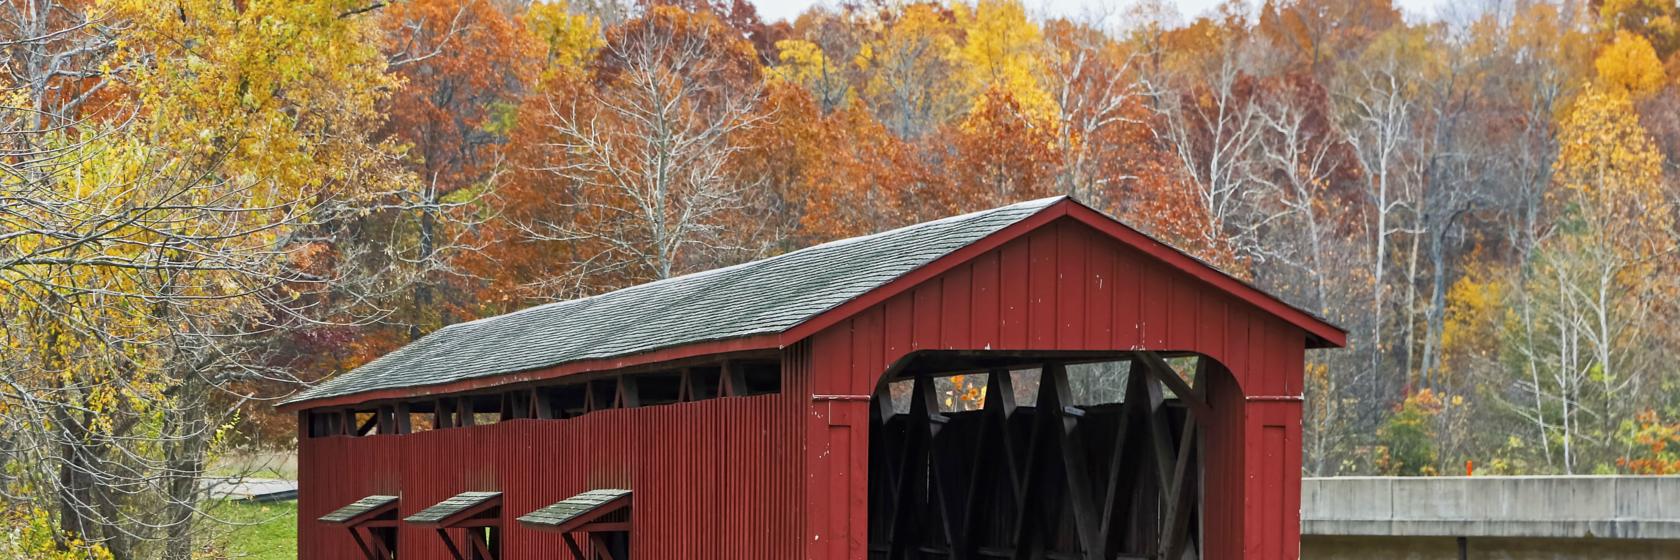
point(1616, 507)
point(1491, 517)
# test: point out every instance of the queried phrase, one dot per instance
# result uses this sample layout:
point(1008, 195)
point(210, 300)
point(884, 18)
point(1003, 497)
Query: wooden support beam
point(381, 547)
point(732, 382)
point(441, 414)
point(362, 544)
point(1163, 372)
point(994, 436)
point(629, 393)
point(1159, 426)
point(449, 543)
point(883, 452)
point(481, 544)
point(544, 404)
point(940, 475)
point(882, 404)
point(366, 427)
point(1071, 494)
point(521, 403)
point(1030, 527)
point(1075, 459)
point(599, 543)
point(685, 392)
point(387, 419)
point(1123, 467)
point(913, 481)
point(405, 421)
point(572, 545)
point(1178, 501)
point(464, 414)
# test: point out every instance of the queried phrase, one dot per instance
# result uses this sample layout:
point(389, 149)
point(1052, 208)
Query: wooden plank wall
point(713, 479)
point(1066, 286)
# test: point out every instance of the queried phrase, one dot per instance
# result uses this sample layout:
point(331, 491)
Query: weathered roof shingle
point(564, 512)
point(358, 508)
point(452, 506)
point(759, 297)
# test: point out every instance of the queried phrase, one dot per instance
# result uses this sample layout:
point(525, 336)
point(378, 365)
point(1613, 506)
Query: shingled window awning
point(576, 512)
point(372, 522)
point(604, 514)
point(479, 513)
point(456, 510)
point(361, 510)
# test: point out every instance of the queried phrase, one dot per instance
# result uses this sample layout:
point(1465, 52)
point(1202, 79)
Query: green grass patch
point(256, 531)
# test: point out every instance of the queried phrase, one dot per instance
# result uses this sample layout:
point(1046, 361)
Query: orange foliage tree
point(1651, 439)
point(1003, 154)
point(625, 172)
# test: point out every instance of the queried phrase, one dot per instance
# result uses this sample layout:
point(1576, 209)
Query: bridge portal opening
point(1038, 455)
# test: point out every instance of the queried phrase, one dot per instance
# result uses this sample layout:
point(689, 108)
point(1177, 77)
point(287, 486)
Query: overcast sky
point(772, 10)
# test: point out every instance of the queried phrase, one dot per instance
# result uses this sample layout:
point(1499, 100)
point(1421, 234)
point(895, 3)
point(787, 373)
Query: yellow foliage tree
point(1629, 65)
point(1596, 282)
point(165, 222)
point(913, 67)
point(1610, 172)
point(1472, 316)
point(568, 40)
point(1003, 49)
point(1656, 20)
point(803, 63)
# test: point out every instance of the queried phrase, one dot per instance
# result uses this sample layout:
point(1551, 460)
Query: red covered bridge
point(1033, 381)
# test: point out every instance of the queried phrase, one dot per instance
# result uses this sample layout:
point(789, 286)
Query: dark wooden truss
point(1052, 480)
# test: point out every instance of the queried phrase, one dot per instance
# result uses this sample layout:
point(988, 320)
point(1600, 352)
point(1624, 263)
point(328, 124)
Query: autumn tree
point(1597, 282)
point(1630, 66)
point(1005, 153)
point(637, 155)
point(1316, 31)
point(913, 69)
point(1655, 20)
point(1003, 50)
point(819, 55)
point(463, 65)
point(1209, 120)
point(1104, 134)
point(154, 239)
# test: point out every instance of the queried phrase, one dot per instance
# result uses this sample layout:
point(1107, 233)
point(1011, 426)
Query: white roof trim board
point(760, 297)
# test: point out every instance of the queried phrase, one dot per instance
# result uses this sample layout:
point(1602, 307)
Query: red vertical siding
point(719, 478)
point(1066, 286)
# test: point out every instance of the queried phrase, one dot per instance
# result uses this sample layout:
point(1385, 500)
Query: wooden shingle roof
point(359, 508)
point(451, 507)
point(570, 511)
point(759, 297)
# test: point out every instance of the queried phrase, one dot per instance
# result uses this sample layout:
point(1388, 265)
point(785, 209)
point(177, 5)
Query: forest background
point(206, 205)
